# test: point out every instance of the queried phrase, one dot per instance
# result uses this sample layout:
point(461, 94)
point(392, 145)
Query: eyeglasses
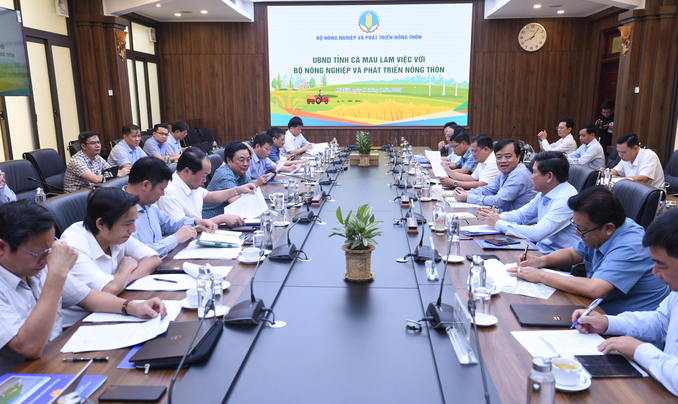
point(39, 255)
point(94, 143)
point(583, 234)
point(163, 134)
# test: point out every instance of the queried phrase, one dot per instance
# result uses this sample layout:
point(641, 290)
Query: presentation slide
point(370, 65)
point(13, 72)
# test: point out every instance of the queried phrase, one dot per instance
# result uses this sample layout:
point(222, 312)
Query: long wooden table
point(507, 362)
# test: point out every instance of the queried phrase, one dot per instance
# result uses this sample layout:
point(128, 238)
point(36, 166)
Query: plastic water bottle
point(40, 195)
point(474, 277)
point(541, 384)
point(204, 284)
point(266, 227)
point(168, 159)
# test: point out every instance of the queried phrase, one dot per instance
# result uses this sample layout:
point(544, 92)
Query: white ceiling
point(242, 10)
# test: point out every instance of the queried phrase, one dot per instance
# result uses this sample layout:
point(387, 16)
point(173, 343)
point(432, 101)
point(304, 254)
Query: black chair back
point(613, 159)
point(640, 200)
point(582, 177)
point(68, 209)
point(220, 152)
point(671, 173)
point(144, 138)
point(116, 182)
point(115, 142)
point(50, 168)
point(192, 138)
point(73, 147)
point(216, 162)
point(16, 175)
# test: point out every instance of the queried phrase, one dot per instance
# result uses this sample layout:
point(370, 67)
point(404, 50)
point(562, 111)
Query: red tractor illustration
point(316, 99)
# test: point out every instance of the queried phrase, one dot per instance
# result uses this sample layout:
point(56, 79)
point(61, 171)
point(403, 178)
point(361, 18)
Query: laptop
point(544, 315)
point(69, 389)
point(173, 343)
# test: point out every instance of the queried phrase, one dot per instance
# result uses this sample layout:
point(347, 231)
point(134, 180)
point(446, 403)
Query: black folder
point(544, 315)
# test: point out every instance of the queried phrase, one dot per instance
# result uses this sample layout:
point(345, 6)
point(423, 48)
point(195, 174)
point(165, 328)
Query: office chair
point(671, 174)
point(216, 161)
point(207, 139)
point(16, 173)
point(68, 209)
point(192, 138)
point(50, 168)
point(613, 159)
point(582, 177)
point(73, 147)
point(640, 200)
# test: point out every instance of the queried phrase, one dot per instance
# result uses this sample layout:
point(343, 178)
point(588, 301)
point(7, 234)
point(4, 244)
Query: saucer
point(281, 224)
point(220, 312)
point(425, 199)
point(575, 387)
point(185, 305)
point(495, 291)
point(487, 320)
point(454, 259)
point(244, 261)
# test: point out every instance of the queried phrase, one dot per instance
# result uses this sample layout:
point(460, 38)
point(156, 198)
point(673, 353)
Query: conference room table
point(347, 341)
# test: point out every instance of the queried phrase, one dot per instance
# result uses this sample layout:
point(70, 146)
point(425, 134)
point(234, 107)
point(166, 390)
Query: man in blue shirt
point(461, 147)
point(646, 332)
point(260, 164)
point(229, 176)
point(6, 194)
point(590, 153)
point(148, 179)
point(618, 267)
point(127, 152)
point(178, 133)
point(156, 146)
point(278, 136)
point(510, 190)
point(546, 219)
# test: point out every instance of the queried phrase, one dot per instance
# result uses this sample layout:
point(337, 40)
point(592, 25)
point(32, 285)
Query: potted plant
point(359, 232)
point(364, 147)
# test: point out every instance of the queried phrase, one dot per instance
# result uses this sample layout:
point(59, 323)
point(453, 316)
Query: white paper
point(194, 251)
point(317, 148)
point(116, 336)
point(480, 229)
point(525, 288)
point(173, 308)
point(456, 204)
point(194, 269)
point(248, 205)
point(497, 271)
point(567, 343)
point(149, 283)
point(436, 163)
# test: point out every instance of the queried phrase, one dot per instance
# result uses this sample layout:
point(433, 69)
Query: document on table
point(248, 205)
point(478, 230)
point(525, 288)
point(550, 343)
point(173, 309)
point(169, 282)
point(436, 163)
point(317, 148)
point(194, 251)
point(456, 204)
point(194, 269)
point(108, 337)
point(497, 271)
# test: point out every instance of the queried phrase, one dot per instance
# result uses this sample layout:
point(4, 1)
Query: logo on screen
point(368, 21)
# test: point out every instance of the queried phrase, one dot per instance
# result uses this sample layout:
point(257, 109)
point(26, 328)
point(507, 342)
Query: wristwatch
point(236, 191)
point(124, 307)
point(455, 183)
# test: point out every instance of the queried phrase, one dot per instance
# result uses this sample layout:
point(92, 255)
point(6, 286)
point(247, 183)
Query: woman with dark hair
point(108, 257)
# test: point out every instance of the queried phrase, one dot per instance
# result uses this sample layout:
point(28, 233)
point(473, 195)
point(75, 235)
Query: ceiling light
point(203, 11)
point(561, 11)
point(177, 14)
point(158, 5)
point(537, 6)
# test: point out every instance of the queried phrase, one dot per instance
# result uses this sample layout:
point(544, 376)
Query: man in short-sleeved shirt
point(638, 164)
point(156, 146)
point(590, 153)
point(618, 267)
point(295, 142)
point(127, 152)
point(6, 194)
point(86, 166)
point(178, 133)
point(565, 143)
point(463, 161)
point(485, 171)
point(231, 175)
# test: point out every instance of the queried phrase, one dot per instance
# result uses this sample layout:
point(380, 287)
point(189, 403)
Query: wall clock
point(532, 37)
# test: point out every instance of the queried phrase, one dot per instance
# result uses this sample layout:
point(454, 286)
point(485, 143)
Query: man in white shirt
point(565, 144)
point(295, 142)
point(35, 283)
point(184, 196)
point(485, 171)
point(638, 164)
point(109, 257)
point(590, 153)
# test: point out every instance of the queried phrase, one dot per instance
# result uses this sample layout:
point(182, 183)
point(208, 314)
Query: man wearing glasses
point(565, 144)
point(127, 152)
point(86, 166)
point(460, 145)
point(35, 283)
point(483, 174)
point(156, 146)
point(618, 267)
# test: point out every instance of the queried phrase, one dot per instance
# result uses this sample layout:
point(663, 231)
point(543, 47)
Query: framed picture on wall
point(61, 8)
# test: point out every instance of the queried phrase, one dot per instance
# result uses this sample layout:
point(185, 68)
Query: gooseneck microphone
point(209, 305)
point(46, 184)
point(284, 252)
point(511, 134)
point(250, 311)
point(441, 315)
point(472, 312)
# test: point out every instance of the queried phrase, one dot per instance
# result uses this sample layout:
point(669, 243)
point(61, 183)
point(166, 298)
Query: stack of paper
point(164, 282)
point(456, 204)
point(194, 269)
point(478, 230)
point(317, 148)
point(221, 238)
point(436, 160)
point(248, 205)
point(566, 343)
point(194, 251)
point(173, 308)
point(497, 271)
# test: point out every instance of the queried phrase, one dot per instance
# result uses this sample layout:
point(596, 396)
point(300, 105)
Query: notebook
point(173, 343)
point(544, 315)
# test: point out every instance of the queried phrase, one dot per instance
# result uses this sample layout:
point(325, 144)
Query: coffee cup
point(250, 254)
point(192, 296)
point(568, 372)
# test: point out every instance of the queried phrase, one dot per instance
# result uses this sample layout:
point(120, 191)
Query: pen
point(164, 280)
point(588, 311)
point(525, 253)
point(101, 359)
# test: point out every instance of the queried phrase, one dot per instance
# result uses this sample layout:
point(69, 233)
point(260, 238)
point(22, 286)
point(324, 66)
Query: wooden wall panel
point(509, 86)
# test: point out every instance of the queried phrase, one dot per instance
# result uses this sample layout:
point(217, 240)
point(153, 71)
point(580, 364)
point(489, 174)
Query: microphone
point(419, 216)
point(284, 252)
point(442, 314)
point(514, 127)
point(209, 305)
point(472, 311)
point(422, 252)
point(250, 311)
point(46, 184)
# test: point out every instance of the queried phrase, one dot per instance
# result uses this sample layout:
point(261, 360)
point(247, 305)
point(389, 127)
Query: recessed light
point(177, 14)
point(537, 6)
point(158, 5)
point(561, 11)
point(203, 11)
